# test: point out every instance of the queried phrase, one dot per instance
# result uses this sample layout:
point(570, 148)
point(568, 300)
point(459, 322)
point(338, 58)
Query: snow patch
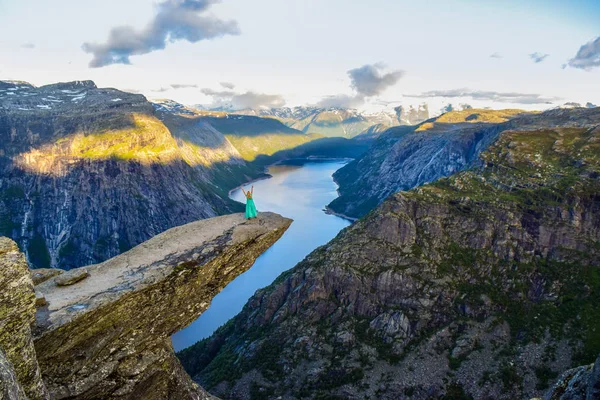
point(116, 99)
point(44, 106)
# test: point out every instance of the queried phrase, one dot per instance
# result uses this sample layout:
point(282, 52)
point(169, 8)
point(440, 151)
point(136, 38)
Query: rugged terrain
point(341, 122)
point(103, 331)
point(482, 285)
point(252, 136)
point(86, 173)
point(406, 157)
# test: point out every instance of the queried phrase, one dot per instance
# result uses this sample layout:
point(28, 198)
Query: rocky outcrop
point(483, 284)
point(108, 335)
point(404, 158)
point(87, 173)
point(581, 383)
point(19, 372)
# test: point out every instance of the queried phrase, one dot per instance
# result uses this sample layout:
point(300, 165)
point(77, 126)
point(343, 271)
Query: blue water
point(299, 190)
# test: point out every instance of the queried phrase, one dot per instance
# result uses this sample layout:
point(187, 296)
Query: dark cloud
point(465, 106)
point(28, 45)
point(538, 57)
point(227, 85)
point(590, 105)
point(176, 20)
point(502, 97)
point(587, 57)
point(238, 101)
point(572, 104)
point(369, 80)
point(496, 55)
point(160, 90)
point(366, 81)
point(183, 85)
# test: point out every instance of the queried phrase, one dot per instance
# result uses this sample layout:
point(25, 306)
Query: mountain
point(103, 331)
point(404, 157)
point(485, 284)
point(86, 173)
point(339, 122)
point(252, 136)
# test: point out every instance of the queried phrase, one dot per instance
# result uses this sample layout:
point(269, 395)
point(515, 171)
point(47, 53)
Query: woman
point(250, 207)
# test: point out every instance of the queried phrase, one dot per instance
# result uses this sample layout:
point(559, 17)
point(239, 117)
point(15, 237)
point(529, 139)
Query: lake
point(298, 189)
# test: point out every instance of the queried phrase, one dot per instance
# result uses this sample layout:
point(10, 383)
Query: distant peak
point(74, 85)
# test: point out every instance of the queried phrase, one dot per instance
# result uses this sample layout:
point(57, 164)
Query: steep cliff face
point(103, 331)
point(20, 376)
point(580, 383)
point(405, 158)
point(484, 284)
point(87, 173)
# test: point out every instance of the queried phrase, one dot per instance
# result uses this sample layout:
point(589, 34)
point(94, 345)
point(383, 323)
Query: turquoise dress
point(250, 208)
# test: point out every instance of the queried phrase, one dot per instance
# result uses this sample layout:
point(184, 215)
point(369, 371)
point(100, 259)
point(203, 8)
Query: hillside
point(405, 157)
point(484, 284)
point(252, 136)
point(87, 173)
point(340, 122)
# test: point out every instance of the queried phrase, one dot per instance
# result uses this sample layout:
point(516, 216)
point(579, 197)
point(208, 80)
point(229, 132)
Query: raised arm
point(252, 190)
point(243, 191)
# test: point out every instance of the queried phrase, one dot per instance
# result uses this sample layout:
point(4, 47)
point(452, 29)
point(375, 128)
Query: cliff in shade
point(482, 285)
point(103, 331)
point(406, 157)
point(87, 173)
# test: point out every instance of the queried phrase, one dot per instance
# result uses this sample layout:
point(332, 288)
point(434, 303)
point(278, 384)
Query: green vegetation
point(268, 144)
point(147, 140)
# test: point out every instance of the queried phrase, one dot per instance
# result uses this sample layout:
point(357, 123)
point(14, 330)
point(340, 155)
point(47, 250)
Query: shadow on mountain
point(100, 208)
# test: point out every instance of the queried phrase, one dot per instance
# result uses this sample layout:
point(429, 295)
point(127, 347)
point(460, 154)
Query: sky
point(528, 54)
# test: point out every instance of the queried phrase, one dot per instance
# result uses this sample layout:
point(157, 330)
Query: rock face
point(341, 122)
point(108, 336)
point(581, 383)
point(87, 173)
point(19, 372)
point(405, 158)
point(483, 284)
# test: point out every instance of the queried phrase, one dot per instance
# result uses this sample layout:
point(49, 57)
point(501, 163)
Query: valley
point(298, 189)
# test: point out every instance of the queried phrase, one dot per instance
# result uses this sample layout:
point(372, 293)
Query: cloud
point(341, 101)
point(496, 55)
point(160, 90)
point(183, 85)
point(502, 97)
point(538, 57)
point(590, 105)
point(466, 106)
point(572, 104)
point(28, 45)
point(229, 99)
point(366, 81)
point(227, 85)
point(369, 81)
point(587, 57)
point(175, 20)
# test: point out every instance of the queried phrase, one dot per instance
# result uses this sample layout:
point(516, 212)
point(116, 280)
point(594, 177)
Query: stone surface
point(43, 274)
point(17, 313)
point(10, 388)
point(108, 336)
point(581, 383)
point(71, 277)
